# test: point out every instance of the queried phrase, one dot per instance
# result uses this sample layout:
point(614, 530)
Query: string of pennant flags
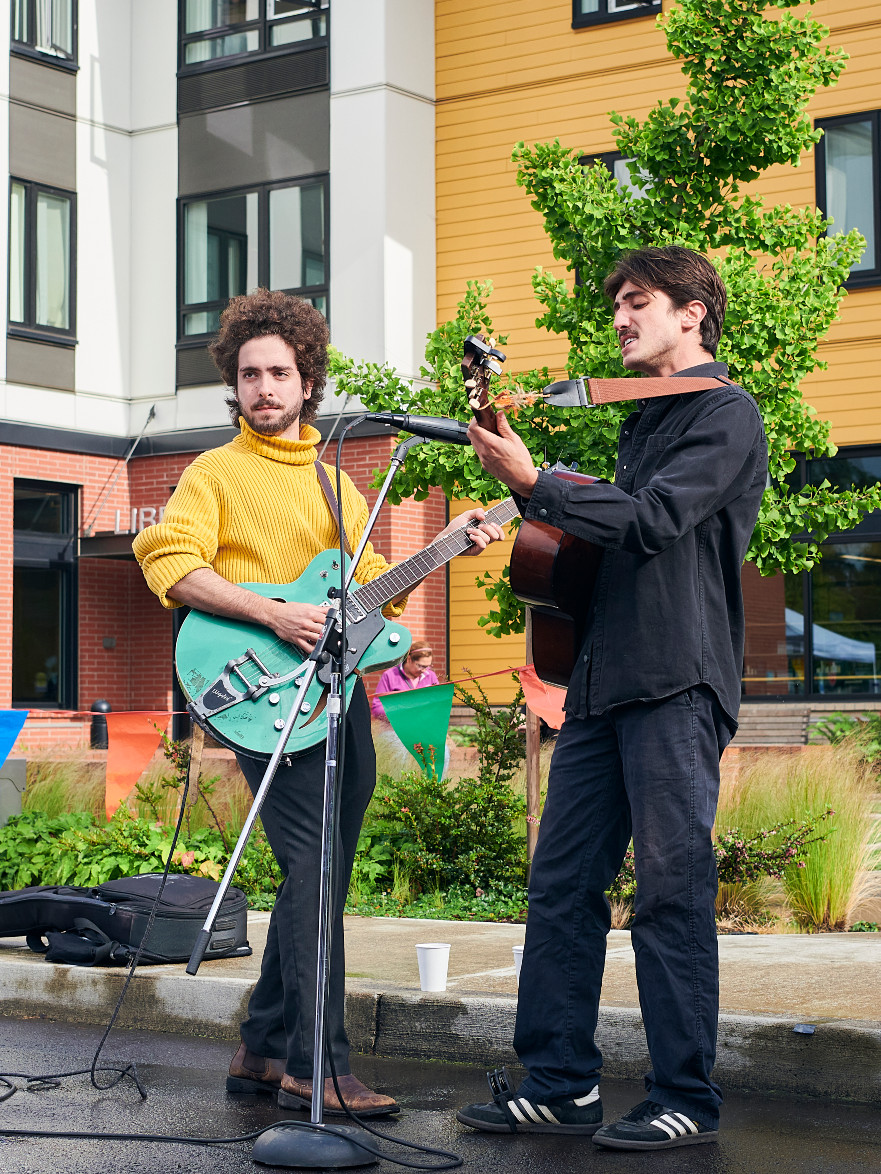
point(419, 717)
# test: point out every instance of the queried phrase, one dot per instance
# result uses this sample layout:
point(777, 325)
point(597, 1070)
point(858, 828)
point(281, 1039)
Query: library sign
point(138, 518)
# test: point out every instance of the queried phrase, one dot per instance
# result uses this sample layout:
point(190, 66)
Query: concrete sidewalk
point(770, 984)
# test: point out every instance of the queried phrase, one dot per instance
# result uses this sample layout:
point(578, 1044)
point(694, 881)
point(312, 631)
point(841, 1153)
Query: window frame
point(582, 20)
point(29, 48)
point(864, 278)
point(262, 23)
point(29, 328)
point(58, 552)
point(869, 530)
point(263, 249)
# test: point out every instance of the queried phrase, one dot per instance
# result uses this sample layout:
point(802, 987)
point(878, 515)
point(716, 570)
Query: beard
point(278, 422)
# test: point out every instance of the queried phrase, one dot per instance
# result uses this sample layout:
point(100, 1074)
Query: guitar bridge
point(226, 692)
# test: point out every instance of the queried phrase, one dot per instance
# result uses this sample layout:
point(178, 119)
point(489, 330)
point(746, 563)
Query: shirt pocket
point(655, 447)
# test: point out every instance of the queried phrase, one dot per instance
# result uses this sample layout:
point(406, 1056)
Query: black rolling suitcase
point(91, 926)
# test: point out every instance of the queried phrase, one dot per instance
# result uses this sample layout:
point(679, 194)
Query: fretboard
point(402, 578)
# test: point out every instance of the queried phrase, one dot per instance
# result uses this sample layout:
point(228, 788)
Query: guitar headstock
point(480, 361)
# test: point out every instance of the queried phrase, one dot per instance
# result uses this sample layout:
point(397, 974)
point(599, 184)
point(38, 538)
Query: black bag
point(106, 924)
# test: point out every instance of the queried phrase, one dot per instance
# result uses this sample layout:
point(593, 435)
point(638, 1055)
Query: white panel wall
point(126, 231)
point(127, 187)
point(382, 189)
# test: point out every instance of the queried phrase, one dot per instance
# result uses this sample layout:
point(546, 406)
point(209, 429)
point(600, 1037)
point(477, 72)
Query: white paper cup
point(518, 961)
point(434, 958)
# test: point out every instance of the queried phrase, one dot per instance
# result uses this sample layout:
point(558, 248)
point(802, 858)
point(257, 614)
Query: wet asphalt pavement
point(185, 1083)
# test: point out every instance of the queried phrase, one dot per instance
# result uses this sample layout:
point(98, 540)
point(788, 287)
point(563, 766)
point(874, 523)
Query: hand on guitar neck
point(504, 455)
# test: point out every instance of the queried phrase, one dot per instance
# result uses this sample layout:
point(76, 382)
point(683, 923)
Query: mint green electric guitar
point(241, 680)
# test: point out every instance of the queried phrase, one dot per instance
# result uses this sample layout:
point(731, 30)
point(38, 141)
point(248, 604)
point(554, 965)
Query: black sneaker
point(508, 1113)
point(651, 1126)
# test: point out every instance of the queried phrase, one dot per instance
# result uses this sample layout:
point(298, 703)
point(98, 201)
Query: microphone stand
point(292, 1144)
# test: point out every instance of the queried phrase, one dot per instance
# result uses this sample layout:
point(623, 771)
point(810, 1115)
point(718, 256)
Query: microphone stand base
point(311, 1148)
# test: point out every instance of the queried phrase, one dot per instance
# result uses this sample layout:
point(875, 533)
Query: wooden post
point(533, 767)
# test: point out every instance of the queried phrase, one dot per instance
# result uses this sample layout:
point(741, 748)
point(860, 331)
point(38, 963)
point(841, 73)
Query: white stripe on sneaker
point(548, 1114)
point(588, 1098)
point(512, 1105)
point(671, 1120)
point(690, 1125)
point(530, 1109)
point(660, 1123)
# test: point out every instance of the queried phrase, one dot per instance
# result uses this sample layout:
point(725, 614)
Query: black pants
point(281, 1011)
point(650, 770)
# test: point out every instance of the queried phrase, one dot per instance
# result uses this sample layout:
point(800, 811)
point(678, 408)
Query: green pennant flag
point(421, 718)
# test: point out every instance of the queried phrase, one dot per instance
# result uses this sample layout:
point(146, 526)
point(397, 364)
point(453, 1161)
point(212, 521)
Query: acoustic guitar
point(552, 572)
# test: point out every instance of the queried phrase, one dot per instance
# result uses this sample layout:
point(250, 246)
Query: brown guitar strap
point(610, 391)
point(335, 511)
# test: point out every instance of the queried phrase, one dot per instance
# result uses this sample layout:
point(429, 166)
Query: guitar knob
point(274, 699)
point(279, 723)
point(305, 707)
point(394, 638)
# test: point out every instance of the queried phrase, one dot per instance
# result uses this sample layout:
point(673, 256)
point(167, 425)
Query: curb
point(840, 1061)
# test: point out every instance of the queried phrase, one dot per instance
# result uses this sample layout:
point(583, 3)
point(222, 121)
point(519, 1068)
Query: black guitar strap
point(332, 504)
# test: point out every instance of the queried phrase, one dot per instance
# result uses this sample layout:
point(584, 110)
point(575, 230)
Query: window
point(45, 27)
point(42, 224)
point(231, 243)
point(44, 596)
point(615, 162)
point(819, 632)
point(214, 30)
point(586, 12)
point(847, 160)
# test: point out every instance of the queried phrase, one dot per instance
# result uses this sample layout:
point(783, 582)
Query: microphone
point(431, 427)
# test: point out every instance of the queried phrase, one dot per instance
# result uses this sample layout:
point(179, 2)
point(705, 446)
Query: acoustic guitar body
point(555, 574)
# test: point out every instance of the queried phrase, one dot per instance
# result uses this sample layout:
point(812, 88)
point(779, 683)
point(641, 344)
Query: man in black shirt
point(650, 707)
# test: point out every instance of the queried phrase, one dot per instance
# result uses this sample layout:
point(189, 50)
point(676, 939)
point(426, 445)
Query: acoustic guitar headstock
point(480, 361)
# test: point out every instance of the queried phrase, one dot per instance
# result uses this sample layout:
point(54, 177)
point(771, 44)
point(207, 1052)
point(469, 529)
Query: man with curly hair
point(253, 511)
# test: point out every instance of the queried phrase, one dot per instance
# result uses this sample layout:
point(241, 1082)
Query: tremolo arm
point(227, 691)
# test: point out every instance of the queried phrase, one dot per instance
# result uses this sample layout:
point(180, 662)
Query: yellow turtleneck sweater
point(253, 511)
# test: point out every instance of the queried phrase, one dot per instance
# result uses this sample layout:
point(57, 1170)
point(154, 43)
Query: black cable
point(53, 1079)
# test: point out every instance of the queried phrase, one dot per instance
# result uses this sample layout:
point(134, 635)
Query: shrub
point(441, 835)
point(78, 849)
point(498, 737)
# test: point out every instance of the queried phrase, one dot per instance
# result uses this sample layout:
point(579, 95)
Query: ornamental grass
point(823, 889)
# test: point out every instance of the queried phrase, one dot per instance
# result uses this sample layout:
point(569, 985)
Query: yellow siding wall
point(519, 71)
point(472, 651)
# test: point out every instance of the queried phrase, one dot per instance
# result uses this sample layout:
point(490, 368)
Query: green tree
point(750, 73)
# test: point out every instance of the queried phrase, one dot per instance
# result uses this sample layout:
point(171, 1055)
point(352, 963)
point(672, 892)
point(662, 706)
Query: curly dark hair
point(265, 312)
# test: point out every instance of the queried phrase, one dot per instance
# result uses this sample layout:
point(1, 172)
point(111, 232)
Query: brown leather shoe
point(297, 1094)
point(249, 1072)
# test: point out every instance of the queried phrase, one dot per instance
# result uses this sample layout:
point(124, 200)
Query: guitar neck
point(403, 577)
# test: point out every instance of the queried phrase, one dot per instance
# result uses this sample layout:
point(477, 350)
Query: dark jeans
point(650, 770)
point(281, 1012)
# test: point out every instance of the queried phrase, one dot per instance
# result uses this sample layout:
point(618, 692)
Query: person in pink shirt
point(414, 673)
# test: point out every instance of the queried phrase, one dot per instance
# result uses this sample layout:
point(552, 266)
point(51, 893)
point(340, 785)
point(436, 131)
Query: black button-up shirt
point(667, 610)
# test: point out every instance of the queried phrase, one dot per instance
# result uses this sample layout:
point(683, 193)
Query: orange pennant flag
point(132, 740)
point(544, 700)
